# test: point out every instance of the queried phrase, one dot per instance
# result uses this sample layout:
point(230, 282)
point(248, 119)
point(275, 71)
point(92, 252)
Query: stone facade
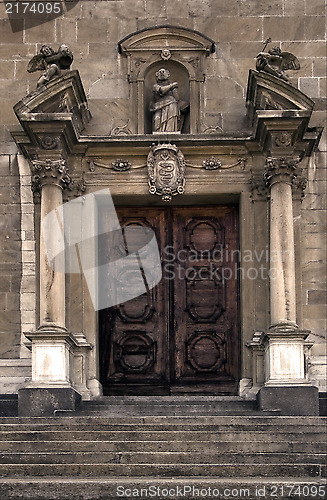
point(92, 30)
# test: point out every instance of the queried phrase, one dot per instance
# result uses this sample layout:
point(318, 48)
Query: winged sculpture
point(276, 62)
point(50, 62)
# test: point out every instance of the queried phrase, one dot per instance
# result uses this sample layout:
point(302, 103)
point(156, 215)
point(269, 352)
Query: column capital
point(54, 172)
point(280, 169)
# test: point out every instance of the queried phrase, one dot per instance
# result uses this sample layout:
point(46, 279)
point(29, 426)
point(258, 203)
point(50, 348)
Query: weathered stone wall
point(10, 258)
point(92, 30)
point(314, 240)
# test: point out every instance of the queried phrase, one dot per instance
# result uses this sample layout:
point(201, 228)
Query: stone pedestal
point(45, 401)
point(290, 400)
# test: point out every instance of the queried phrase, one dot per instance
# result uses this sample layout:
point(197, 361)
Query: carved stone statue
point(276, 62)
point(50, 62)
point(165, 106)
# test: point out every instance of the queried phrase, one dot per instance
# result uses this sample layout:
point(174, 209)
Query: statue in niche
point(50, 62)
point(166, 106)
point(276, 62)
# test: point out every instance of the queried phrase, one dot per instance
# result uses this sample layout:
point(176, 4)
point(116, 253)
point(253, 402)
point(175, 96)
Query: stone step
point(190, 488)
point(222, 470)
point(187, 399)
point(177, 412)
point(163, 425)
point(170, 413)
point(168, 407)
point(277, 421)
point(202, 456)
point(164, 446)
point(168, 435)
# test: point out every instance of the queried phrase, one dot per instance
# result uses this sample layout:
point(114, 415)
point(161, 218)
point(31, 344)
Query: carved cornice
point(280, 170)
point(53, 172)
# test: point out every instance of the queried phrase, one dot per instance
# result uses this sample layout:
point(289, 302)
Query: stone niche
point(181, 51)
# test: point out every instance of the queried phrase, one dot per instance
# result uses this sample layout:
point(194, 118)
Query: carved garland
point(123, 165)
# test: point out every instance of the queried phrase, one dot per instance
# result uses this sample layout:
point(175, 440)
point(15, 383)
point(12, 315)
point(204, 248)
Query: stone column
point(52, 345)
point(279, 175)
point(286, 387)
point(53, 177)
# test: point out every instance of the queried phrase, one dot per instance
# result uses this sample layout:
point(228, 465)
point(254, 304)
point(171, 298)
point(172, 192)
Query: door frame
point(210, 194)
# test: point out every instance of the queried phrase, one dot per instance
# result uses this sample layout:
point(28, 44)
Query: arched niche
point(183, 52)
point(179, 74)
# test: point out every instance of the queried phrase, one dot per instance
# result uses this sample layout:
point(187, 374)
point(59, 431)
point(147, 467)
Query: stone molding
point(163, 43)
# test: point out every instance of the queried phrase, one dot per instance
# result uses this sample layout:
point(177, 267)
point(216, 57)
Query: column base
point(292, 400)
point(43, 401)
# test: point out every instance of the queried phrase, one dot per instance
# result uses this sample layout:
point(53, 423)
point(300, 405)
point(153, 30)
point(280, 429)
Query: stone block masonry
point(10, 258)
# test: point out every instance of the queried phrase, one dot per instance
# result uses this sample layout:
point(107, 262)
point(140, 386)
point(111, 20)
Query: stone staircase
point(163, 447)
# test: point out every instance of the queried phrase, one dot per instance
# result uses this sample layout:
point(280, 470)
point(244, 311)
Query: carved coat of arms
point(166, 171)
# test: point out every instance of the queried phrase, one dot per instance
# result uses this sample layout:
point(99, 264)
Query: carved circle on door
point(204, 235)
point(135, 352)
point(206, 351)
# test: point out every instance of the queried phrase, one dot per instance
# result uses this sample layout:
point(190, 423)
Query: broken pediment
point(279, 115)
point(268, 92)
point(64, 94)
point(55, 114)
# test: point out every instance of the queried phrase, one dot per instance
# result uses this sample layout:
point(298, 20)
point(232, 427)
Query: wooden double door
point(182, 336)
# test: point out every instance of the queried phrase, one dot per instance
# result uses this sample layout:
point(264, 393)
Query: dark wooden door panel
point(135, 338)
point(205, 302)
point(182, 335)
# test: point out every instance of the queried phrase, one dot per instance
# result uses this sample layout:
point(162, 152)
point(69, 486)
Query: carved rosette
point(50, 172)
point(49, 142)
point(280, 170)
point(121, 165)
point(212, 163)
point(166, 171)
